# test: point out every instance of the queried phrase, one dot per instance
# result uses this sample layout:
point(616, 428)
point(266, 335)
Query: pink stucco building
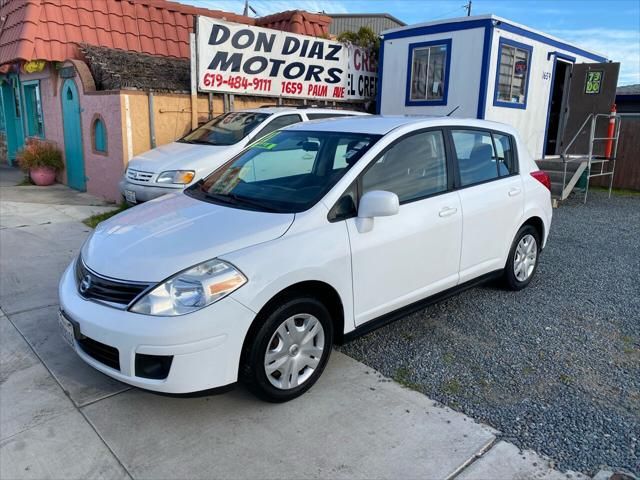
point(107, 80)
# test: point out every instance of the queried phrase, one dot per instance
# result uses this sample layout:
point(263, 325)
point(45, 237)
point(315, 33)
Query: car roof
point(381, 124)
point(289, 109)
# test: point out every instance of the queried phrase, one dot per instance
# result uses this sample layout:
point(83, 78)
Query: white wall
point(464, 77)
point(531, 123)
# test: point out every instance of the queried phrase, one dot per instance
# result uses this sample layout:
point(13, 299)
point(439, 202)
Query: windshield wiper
point(199, 142)
point(252, 202)
point(233, 199)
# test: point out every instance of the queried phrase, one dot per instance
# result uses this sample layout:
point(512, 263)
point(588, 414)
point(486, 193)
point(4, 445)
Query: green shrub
point(38, 153)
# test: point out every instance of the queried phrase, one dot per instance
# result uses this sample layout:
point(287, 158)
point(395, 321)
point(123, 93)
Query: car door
point(492, 198)
point(415, 253)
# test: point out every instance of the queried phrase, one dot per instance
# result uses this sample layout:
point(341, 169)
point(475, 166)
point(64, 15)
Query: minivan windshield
point(226, 129)
point(285, 172)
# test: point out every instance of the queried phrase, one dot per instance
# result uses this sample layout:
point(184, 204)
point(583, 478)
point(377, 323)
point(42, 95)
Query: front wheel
point(523, 258)
point(289, 351)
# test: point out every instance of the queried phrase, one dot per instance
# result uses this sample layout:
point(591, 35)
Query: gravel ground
point(555, 367)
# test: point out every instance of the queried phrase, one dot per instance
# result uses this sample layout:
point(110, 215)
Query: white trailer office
point(491, 68)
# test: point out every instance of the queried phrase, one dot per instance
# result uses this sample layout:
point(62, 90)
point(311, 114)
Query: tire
point(519, 271)
point(298, 337)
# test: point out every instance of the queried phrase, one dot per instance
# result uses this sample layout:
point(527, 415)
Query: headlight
point(176, 176)
point(191, 290)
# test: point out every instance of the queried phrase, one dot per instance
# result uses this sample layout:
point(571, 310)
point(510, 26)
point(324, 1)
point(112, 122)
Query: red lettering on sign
point(356, 58)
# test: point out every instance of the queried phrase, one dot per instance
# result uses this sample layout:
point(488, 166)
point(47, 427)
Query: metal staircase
point(566, 169)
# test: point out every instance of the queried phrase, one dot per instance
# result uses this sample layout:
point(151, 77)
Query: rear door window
point(476, 156)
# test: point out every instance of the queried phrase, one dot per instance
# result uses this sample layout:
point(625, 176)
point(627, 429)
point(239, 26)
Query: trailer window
point(428, 75)
point(514, 61)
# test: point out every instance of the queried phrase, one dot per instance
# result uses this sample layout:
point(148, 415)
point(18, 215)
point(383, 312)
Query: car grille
point(93, 286)
point(139, 176)
point(100, 352)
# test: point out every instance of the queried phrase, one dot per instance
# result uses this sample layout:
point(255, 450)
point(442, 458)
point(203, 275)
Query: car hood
point(183, 156)
point(157, 239)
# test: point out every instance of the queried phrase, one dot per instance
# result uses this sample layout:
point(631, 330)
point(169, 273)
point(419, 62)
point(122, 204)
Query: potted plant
point(42, 160)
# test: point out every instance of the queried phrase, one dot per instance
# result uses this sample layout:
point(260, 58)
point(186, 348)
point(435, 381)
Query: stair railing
point(587, 160)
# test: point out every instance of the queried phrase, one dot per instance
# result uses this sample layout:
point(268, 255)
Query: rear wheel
point(289, 351)
point(523, 258)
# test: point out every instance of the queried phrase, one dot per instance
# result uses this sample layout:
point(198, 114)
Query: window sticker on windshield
point(264, 141)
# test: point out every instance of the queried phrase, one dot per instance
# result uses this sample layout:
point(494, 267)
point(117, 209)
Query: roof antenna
point(452, 111)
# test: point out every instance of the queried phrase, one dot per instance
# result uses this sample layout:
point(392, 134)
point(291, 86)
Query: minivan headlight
point(191, 289)
point(176, 176)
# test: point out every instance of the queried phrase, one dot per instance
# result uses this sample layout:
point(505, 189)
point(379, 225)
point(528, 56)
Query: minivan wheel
point(289, 351)
point(523, 258)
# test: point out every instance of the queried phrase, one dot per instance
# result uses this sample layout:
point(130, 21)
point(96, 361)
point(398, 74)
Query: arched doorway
point(71, 124)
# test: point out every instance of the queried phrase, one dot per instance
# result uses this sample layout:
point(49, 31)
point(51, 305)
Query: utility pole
point(468, 7)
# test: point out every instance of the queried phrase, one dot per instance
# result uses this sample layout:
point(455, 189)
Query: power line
point(449, 13)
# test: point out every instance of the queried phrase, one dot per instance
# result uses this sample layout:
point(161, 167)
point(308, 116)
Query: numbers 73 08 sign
point(594, 82)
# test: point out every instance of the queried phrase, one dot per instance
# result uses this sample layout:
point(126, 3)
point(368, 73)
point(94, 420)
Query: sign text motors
point(234, 58)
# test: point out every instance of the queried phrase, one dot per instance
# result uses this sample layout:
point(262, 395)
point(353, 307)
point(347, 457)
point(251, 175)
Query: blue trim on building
point(445, 88)
point(379, 83)
point(521, 46)
point(484, 73)
point(550, 41)
point(441, 28)
point(557, 56)
point(464, 25)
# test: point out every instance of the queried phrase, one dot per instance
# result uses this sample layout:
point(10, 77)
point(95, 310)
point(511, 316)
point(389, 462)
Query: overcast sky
point(610, 27)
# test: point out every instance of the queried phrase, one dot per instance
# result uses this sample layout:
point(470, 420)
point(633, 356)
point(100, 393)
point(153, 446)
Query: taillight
point(543, 178)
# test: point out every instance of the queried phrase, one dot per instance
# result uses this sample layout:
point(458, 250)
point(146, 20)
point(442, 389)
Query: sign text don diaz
point(234, 58)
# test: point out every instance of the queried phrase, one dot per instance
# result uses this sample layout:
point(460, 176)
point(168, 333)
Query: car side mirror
point(377, 203)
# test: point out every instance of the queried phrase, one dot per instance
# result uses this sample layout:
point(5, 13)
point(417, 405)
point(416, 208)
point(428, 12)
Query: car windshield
point(226, 129)
point(285, 172)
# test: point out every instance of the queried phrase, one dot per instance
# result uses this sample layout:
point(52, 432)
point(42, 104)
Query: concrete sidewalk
point(61, 419)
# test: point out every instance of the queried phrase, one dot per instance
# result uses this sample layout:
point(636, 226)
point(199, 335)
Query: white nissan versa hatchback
point(315, 234)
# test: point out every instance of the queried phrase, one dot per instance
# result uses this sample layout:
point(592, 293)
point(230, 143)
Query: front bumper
point(206, 345)
point(144, 193)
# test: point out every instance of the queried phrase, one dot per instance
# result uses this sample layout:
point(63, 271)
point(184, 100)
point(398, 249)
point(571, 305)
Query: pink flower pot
point(43, 176)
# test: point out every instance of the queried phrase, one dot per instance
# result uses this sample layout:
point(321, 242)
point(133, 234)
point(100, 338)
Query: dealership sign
point(235, 58)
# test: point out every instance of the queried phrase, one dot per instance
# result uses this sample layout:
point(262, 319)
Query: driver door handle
point(447, 211)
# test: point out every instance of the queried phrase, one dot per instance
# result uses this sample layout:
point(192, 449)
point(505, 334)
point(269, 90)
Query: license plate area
point(130, 196)
point(67, 329)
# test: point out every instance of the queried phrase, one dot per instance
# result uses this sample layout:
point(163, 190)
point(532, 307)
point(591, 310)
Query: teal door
point(10, 91)
point(73, 154)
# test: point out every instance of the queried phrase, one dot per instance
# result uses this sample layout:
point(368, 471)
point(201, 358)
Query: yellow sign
point(34, 66)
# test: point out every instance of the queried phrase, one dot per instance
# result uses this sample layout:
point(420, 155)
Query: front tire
point(523, 258)
point(288, 353)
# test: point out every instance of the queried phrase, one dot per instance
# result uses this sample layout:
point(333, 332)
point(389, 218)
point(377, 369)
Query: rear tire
point(523, 258)
point(289, 351)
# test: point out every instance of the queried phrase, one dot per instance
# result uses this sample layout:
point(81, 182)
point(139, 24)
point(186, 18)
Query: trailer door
point(592, 89)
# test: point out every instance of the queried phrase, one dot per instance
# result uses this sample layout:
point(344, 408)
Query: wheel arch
point(537, 223)
point(322, 291)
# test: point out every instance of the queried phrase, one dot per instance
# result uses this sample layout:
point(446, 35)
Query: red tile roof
point(52, 29)
point(297, 21)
